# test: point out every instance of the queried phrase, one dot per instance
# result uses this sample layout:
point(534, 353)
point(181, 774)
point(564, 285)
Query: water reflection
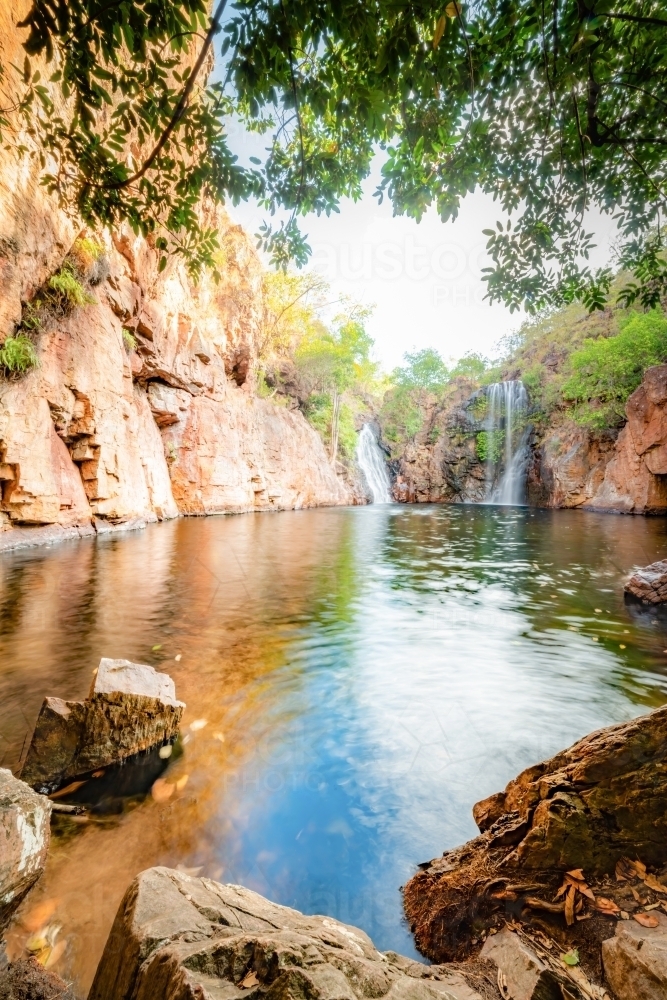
point(359, 678)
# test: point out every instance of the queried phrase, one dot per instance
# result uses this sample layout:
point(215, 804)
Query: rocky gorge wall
point(569, 466)
point(100, 436)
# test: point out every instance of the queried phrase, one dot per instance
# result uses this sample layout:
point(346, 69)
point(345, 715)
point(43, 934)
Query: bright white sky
point(424, 280)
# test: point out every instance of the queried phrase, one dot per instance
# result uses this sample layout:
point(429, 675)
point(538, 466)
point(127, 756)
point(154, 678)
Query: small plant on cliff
point(68, 291)
point(607, 370)
point(129, 340)
point(17, 356)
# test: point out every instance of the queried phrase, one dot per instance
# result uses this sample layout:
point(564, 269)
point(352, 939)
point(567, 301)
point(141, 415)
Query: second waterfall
point(506, 442)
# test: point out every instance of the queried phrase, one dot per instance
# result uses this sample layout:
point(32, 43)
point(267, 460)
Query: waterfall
point(372, 464)
point(507, 405)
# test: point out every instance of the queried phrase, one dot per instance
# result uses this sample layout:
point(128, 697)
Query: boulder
point(24, 839)
point(181, 937)
point(600, 800)
point(635, 960)
point(131, 708)
point(649, 584)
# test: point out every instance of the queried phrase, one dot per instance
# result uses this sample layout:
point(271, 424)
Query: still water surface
point(364, 675)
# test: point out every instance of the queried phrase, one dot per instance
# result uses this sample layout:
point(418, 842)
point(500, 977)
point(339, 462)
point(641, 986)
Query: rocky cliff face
point(99, 435)
point(570, 466)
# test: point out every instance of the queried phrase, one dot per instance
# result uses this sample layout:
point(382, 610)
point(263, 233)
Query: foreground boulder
point(131, 708)
point(589, 806)
point(24, 840)
point(184, 938)
point(649, 584)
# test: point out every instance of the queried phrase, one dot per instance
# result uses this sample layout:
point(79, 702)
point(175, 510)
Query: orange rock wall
point(99, 437)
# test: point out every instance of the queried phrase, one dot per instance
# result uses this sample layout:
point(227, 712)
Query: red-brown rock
point(649, 584)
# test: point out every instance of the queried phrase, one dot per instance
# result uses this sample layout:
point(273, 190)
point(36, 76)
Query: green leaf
point(571, 957)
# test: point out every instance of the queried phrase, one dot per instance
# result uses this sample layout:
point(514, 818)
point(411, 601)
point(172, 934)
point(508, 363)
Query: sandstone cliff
point(104, 434)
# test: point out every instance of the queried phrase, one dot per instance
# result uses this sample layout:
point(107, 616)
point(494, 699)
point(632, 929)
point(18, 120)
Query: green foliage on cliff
point(489, 445)
point(553, 109)
point(17, 356)
point(604, 372)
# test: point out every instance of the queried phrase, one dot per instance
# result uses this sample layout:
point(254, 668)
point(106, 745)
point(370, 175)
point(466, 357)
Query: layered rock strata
point(600, 800)
point(24, 841)
point(131, 708)
point(143, 405)
point(182, 937)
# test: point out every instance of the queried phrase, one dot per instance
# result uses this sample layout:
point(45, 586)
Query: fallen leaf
point(162, 790)
point(604, 905)
point(182, 782)
point(453, 9)
point(165, 752)
point(249, 980)
point(68, 790)
point(198, 724)
point(635, 893)
point(154, 649)
point(38, 916)
point(57, 953)
point(571, 957)
point(576, 873)
point(624, 916)
point(653, 906)
point(627, 869)
point(98, 774)
point(569, 905)
point(651, 882)
point(178, 657)
point(646, 919)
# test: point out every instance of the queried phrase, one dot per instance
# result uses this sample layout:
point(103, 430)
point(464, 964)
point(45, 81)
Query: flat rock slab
point(131, 708)
point(184, 938)
point(649, 584)
point(24, 840)
point(635, 960)
point(526, 976)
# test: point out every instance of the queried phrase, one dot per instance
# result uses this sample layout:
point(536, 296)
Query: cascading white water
point(507, 404)
point(372, 464)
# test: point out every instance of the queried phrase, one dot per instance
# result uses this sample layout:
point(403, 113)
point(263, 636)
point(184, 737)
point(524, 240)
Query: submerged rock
point(649, 584)
point(589, 806)
point(24, 839)
point(182, 937)
point(131, 708)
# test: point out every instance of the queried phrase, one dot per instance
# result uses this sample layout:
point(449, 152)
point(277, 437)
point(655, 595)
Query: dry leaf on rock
point(182, 782)
point(249, 980)
point(646, 919)
point(604, 905)
point(627, 869)
point(651, 882)
point(68, 789)
point(569, 905)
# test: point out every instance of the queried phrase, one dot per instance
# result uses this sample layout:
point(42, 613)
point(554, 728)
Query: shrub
point(400, 416)
point(17, 355)
point(604, 372)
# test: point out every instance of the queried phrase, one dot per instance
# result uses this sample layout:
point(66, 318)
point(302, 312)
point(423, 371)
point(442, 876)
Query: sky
point(423, 280)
